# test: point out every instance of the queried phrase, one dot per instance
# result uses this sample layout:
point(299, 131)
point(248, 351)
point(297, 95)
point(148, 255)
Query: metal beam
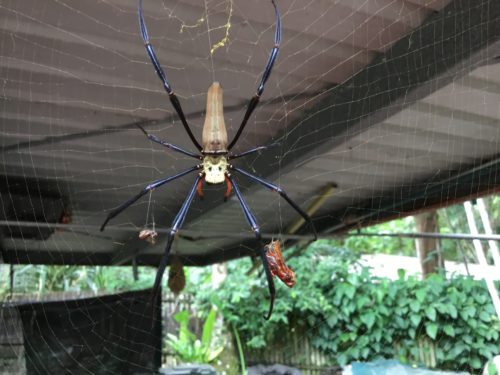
point(408, 200)
point(149, 258)
point(192, 235)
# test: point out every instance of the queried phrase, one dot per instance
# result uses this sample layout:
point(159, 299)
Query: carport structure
point(394, 103)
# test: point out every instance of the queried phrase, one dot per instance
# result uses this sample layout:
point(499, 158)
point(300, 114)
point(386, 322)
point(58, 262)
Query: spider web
point(358, 99)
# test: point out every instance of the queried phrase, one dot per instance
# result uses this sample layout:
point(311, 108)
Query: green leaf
point(420, 294)
point(431, 330)
point(377, 334)
point(494, 334)
point(412, 333)
point(468, 312)
point(449, 330)
point(458, 349)
point(185, 336)
point(342, 359)
point(345, 337)
point(452, 311)
point(346, 289)
point(401, 273)
point(361, 301)
point(415, 319)
point(484, 316)
point(208, 327)
point(350, 291)
point(257, 342)
point(401, 322)
point(481, 299)
point(384, 310)
point(365, 352)
point(431, 313)
point(415, 306)
point(468, 339)
point(368, 319)
point(476, 362)
point(332, 320)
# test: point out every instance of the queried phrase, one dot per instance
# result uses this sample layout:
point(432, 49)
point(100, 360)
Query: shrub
point(350, 315)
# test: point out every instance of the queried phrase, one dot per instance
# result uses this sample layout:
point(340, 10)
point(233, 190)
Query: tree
point(428, 249)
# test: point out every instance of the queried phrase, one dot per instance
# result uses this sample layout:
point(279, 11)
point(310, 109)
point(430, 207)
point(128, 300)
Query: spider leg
point(144, 191)
point(176, 225)
point(251, 151)
point(262, 252)
point(267, 72)
point(281, 192)
point(156, 63)
point(229, 188)
point(154, 138)
point(199, 188)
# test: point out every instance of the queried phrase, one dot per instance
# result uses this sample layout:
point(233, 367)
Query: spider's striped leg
point(176, 225)
point(281, 192)
point(267, 72)
point(156, 63)
point(144, 191)
point(155, 139)
point(262, 252)
point(251, 151)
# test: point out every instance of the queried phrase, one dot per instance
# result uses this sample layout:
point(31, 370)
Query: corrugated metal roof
point(76, 80)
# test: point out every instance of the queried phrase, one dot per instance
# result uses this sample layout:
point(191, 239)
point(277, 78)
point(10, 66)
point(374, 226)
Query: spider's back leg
point(262, 251)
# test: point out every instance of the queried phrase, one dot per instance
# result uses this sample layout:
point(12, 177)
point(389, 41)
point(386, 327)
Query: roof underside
point(394, 102)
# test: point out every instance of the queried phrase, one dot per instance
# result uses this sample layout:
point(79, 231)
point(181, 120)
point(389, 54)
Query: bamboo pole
point(487, 228)
point(481, 258)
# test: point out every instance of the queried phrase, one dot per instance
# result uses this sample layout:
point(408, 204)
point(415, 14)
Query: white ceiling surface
point(71, 66)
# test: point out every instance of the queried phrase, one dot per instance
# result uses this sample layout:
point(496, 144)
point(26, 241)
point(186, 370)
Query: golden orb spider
point(215, 155)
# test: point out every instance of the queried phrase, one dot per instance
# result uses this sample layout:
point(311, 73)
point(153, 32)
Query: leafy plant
point(241, 354)
point(187, 346)
point(349, 314)
point(45, 279)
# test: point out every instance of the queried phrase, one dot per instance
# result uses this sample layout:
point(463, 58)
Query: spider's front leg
point(262, 251)
point(267, 72)
point(161, 74)
point(147, 189)
point(170, 146)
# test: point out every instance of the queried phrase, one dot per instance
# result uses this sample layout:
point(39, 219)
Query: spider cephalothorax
point(215, 155)
point(215, 169)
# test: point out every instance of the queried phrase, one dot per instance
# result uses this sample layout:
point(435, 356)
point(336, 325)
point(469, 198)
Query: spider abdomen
point(214, 137)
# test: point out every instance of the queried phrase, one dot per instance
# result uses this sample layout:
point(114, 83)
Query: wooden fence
point(298, 351)
point(11, 343)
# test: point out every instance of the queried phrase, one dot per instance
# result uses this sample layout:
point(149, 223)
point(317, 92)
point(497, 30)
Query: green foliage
point(241, 354)
point(351, 315)
point(382, 245)
point(44, 279)
point(188, 347)
point(491, 368)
